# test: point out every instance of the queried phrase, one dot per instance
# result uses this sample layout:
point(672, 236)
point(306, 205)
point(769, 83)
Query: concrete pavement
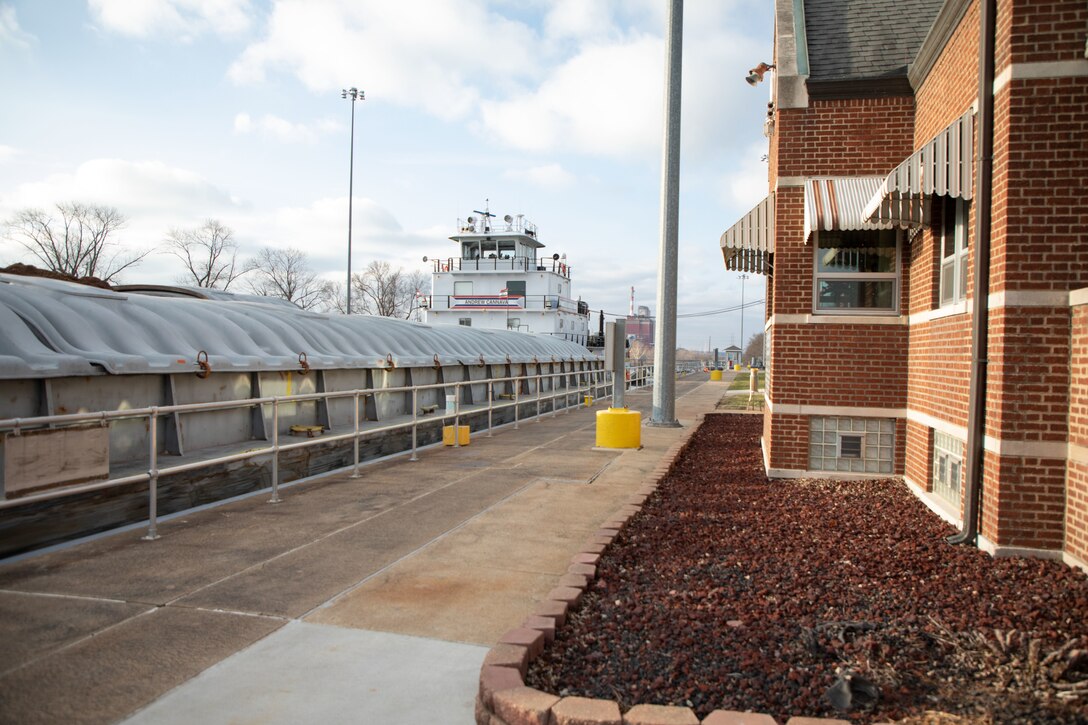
point(355, 600)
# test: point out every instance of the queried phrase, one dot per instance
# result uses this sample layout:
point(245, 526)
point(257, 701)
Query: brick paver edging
point(503, 697)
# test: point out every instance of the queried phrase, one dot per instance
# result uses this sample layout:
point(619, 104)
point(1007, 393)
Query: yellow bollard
point(589, 400)
point(716, 375)
point(619, 428)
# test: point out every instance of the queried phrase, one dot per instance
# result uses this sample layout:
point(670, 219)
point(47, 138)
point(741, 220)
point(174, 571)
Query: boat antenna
point(486, 214)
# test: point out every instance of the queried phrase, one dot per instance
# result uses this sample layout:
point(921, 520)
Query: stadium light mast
point(355, 95)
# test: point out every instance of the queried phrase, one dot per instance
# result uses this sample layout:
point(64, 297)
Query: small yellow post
point(462, 435)
point(589, 400)
point(716, 375)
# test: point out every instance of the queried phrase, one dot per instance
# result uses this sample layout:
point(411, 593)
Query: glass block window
point(854, 445)
point(947, 467)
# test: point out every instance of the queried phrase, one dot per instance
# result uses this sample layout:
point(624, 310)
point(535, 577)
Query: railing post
point(517, 392)
point(415, 420)
point(539, 377)
point(153, 477)
point(275, 451)
point(355, 438)
point(457, 415)
point(490, 403)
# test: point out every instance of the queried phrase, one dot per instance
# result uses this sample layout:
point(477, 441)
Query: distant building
point(731, 355)
point(641, 326)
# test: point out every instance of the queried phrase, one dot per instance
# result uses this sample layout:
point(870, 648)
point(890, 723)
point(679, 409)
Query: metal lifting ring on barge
point(104, 390)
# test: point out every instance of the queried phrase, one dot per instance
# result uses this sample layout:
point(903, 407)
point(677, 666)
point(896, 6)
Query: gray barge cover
point(50, 328)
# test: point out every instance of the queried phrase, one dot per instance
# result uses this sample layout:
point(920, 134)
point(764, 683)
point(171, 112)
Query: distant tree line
point(80, 241)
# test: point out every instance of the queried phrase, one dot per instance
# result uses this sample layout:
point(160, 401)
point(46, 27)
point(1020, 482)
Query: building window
point(855, 445)
point(947, 467)
point(462, 288)
point(464, 321)
point(515, 288)
point(857, 271)
point(953, 250)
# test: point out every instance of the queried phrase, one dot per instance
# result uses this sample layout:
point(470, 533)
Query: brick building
point(881, 217)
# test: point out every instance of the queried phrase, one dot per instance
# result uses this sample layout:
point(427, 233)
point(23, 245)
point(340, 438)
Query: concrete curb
point(503, 697)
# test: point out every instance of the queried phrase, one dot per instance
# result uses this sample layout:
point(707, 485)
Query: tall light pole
point(742, 347)
point(663, 413)
point(355, 95)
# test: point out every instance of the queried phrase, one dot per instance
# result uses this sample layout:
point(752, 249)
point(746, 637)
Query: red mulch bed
point(730, 591)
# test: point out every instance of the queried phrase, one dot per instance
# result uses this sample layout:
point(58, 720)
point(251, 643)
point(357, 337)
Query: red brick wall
point(1076, 501)
point(844, 137)
point(919, 456)
point(844, 365)
point(1029, 502)
point(1028, 377)
point(939, 363)
point(952, 84)
point(792, 282)
point(789, 441)
point(1045, 164)
point(1042, 31)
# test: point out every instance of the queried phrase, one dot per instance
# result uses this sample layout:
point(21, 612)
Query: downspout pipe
point(976, 401)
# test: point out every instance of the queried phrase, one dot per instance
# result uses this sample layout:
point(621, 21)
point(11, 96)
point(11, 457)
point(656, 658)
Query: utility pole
point(664, 401)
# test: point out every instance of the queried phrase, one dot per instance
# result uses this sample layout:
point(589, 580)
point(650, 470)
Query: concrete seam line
point(80, 640)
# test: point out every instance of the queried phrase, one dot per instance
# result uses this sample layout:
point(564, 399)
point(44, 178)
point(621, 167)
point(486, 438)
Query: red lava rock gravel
point(816, 598)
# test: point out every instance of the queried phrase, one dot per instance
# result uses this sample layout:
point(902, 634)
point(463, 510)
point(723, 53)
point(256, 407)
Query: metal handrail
point(596, 382)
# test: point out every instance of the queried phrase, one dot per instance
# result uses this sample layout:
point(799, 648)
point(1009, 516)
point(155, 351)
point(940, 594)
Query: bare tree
point(286, 273)
point(209, 253)
point(388, 292)
point(80, 243)
point(754, 349)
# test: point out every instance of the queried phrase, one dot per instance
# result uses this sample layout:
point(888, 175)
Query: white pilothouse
point(499, 281)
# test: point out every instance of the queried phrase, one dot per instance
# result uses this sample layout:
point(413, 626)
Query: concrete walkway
point(355, 600)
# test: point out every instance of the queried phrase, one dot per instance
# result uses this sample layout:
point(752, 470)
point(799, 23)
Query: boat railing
point(513, 303)
point(564, 389)
point(495, 263)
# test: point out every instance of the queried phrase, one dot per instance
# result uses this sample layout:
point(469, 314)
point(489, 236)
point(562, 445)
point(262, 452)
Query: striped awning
point(748, 245)
point(839, 202)
point(942, 167)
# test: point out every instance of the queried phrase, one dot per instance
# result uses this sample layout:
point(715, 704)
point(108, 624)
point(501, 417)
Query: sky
point(178, 111)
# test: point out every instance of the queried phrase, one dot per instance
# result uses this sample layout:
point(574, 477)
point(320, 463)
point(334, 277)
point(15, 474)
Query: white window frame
point(952, 275)
point(895, 277)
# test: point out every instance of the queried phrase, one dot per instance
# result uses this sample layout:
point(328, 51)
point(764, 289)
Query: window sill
point(938, 313)
point(825, 318)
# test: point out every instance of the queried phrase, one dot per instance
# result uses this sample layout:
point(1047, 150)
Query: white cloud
point(549, 176)
point(436, 55)
point(589, 81)
point(136, 187)
point(284, 130)
point(578, 19)
point(746, 184)
point(598, 102)
point(7, 153)
point(184, 18)
point(11, 35)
